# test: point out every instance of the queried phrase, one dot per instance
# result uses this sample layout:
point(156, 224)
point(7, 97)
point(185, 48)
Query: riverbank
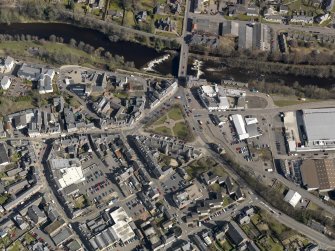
point(46, 13)
point(58, 54)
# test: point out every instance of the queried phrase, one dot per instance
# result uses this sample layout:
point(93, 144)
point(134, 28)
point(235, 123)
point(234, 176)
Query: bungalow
point(5, 83)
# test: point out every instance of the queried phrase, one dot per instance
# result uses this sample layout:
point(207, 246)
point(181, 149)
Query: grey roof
point(236, 234)
point(319, 124)
point(63, 235)
point(3, 154)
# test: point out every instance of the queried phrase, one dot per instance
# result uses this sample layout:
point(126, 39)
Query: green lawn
point(181, 130)
point(197, 167)
point(19, 49)
point(288, 102)
point(3, 198)
point(16, 246)
point(29, 238)
point(121, 95)
point(163, 130)
point(226, 246)
point(175, 113)
point(160, 121)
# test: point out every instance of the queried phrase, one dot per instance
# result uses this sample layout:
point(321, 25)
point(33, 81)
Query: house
point(302, 19)
point(249, 210)
point(243, 219)
point(321, 18)
point(141, 16)
point(4, 160)
point(209, 178)
point(36, 215)
point(292, 197)
point(20, 222)
point(283, 9)
point(236, 234)
point(197, 6)
point(45, 85)
point(252, 11)
point(5, 83)
point(7, 65)
point(274, 19)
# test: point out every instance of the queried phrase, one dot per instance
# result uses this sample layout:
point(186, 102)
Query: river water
point(165, 63)
point(134, 52)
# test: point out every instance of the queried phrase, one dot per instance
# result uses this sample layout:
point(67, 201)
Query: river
point(215, 72)
point(164, 63)
point(131, 51)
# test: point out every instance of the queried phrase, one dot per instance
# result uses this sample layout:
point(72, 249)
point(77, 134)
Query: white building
point(292, 197)
point(216, 98)
point(240, 126)
point(121, 228)
point(66, 172)
point(5, 83)
point(7, 65)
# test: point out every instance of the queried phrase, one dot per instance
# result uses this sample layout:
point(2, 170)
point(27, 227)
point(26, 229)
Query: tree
point(52, 38)
point(71, 5)
point(72, 42)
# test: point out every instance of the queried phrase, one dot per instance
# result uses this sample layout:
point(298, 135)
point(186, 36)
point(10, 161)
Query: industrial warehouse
point(310, 130)
point(245, 127)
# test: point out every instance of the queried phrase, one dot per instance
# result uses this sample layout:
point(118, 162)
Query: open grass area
point(226, 246)
point(57, 51)
point(4, 242)
point(281, 101)
point(160, 121)
point(175, 113)
point(81, 202)
point(121, 95)
point(181, 130)
point(3, 198)
point(8, 106)
point(172, 123)
point(16, 246)
point(29, 238)
point(197, 167)
point(163, 130)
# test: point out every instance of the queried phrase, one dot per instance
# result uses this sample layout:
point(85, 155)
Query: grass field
point(175, 113)
point(163, 130)
point(282, 101)
point(197, 167)
point(181, 130)
point(16, 246)
point(19, 49)
point(172, 123)
point(160, 121)
point(29, 238)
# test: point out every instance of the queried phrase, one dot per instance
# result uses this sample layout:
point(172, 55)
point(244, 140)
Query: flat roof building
point(318, 174)
point(292, 197)
point(240, 126)
point(66, 172)
point(319, 125)
point(121, 227)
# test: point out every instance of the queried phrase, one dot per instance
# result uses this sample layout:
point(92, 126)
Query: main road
point(183, 57)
